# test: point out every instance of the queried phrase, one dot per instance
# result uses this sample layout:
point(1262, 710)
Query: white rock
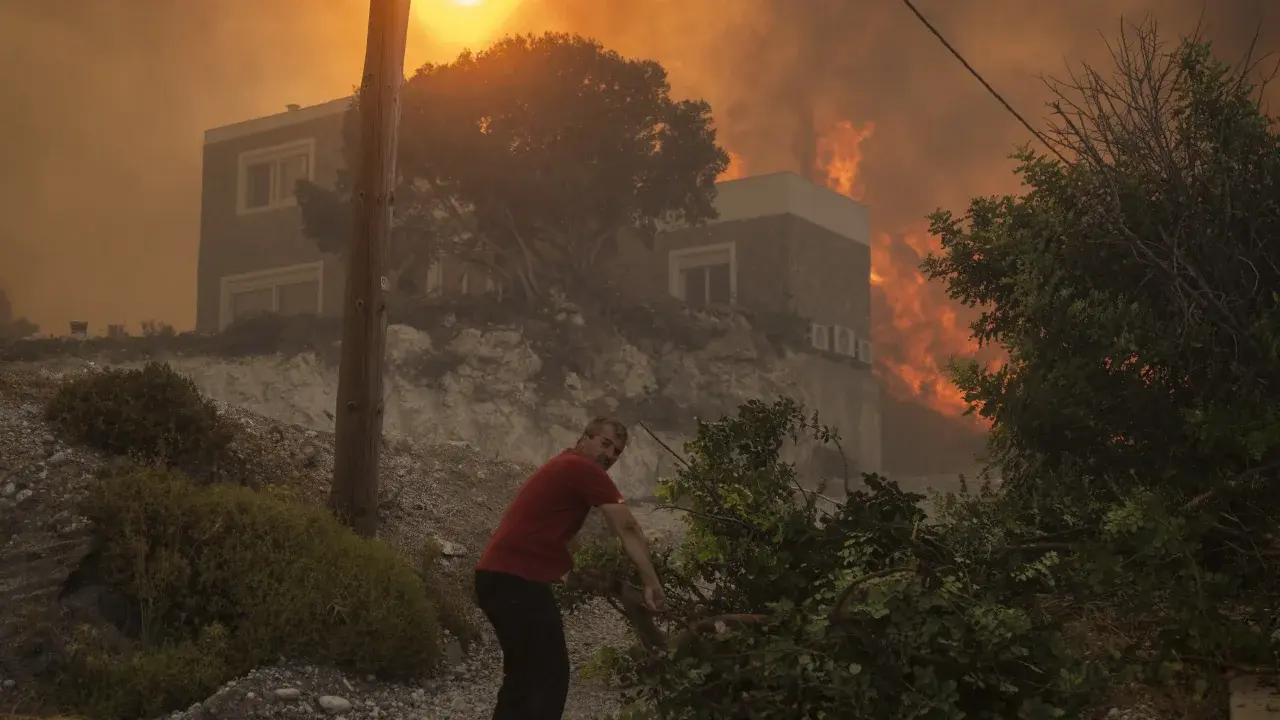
point(288, 693)
point(406, 342)
point(450, 549)
point(333, 704)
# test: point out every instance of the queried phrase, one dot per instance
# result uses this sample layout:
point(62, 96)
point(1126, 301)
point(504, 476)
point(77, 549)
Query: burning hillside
point(917, 328)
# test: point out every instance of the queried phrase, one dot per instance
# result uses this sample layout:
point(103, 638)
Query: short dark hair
point(600, 422)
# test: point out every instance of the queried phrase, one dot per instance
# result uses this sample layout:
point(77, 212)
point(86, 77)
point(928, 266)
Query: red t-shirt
point(532, 540)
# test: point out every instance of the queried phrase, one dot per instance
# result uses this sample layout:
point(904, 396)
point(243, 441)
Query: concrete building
point(781, 244)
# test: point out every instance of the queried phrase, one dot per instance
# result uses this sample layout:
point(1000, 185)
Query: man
point(530, 550)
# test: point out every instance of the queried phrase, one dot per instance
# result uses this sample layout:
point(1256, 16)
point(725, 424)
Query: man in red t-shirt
point(530, 550)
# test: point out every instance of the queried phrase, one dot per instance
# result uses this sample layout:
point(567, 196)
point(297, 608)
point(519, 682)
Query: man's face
point(604, 448)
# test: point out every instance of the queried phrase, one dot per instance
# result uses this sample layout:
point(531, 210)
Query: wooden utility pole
point(358, 416)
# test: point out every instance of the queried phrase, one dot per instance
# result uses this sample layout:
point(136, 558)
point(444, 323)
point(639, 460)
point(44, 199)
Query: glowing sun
point(458, 24)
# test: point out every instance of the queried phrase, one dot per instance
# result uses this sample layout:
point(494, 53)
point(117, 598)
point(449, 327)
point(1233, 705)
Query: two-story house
point(780, 243)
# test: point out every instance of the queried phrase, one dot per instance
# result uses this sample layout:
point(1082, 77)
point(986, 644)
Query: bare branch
point(665, 446)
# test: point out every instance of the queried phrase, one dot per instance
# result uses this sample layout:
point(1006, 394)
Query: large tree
point(1134, 285)
point(529, 159)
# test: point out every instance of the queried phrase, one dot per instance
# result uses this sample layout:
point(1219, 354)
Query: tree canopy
point(1133, 285)
point(529, 159)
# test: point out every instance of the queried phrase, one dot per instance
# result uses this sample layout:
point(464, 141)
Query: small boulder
point(334, 705)
point(451, 549)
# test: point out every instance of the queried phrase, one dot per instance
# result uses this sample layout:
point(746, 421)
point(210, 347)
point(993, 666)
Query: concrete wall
point(829, 276)
point(798, 248)
point(847, 399)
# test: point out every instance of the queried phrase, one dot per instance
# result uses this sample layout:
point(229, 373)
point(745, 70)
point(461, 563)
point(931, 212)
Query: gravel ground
point(466, 692)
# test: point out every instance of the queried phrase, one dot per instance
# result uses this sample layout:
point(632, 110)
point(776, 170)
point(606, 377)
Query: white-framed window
point(268, 177)
point(706, 275)
point(292, 290)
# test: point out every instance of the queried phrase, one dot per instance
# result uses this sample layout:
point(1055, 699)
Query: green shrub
point(152, 414)
point(149, 682)
point(222, 579)
point(785, 609)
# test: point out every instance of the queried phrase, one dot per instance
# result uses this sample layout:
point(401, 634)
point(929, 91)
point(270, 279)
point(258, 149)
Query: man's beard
point(604, 461)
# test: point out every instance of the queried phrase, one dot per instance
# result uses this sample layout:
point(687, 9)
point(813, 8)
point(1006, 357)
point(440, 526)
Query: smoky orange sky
point(104, 103)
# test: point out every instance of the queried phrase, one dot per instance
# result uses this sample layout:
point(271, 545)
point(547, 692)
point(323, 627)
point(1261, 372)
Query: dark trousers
point(535, 661)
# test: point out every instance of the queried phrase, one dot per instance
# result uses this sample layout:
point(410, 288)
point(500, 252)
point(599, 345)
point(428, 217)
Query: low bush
point(110, 684)
point(152, 414)
point(219, 579)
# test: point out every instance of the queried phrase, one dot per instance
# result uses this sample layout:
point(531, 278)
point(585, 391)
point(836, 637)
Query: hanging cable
point(911, 6)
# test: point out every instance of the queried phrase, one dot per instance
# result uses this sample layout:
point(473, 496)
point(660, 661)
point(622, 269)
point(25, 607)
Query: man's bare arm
point(628, 529)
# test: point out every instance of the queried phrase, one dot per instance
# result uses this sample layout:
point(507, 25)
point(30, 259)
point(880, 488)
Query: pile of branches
point(783, 603)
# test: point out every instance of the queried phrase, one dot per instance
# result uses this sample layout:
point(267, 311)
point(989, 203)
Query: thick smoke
point(778, 71)
point(105, 103)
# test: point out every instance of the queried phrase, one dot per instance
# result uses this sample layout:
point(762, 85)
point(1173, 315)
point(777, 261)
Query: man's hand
point(654, 598)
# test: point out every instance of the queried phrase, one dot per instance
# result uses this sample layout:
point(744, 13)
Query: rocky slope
point(521, 387)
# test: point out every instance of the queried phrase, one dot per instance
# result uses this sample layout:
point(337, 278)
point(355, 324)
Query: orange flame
point(840, 154)
point(737, 168)
point(917, 329)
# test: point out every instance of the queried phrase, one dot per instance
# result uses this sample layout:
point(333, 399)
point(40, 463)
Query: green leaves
point(865, 608)
point(1132, 292)
point(529, 158)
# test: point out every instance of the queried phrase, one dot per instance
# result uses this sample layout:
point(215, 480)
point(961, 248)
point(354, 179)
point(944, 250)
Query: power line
point(911, 6)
